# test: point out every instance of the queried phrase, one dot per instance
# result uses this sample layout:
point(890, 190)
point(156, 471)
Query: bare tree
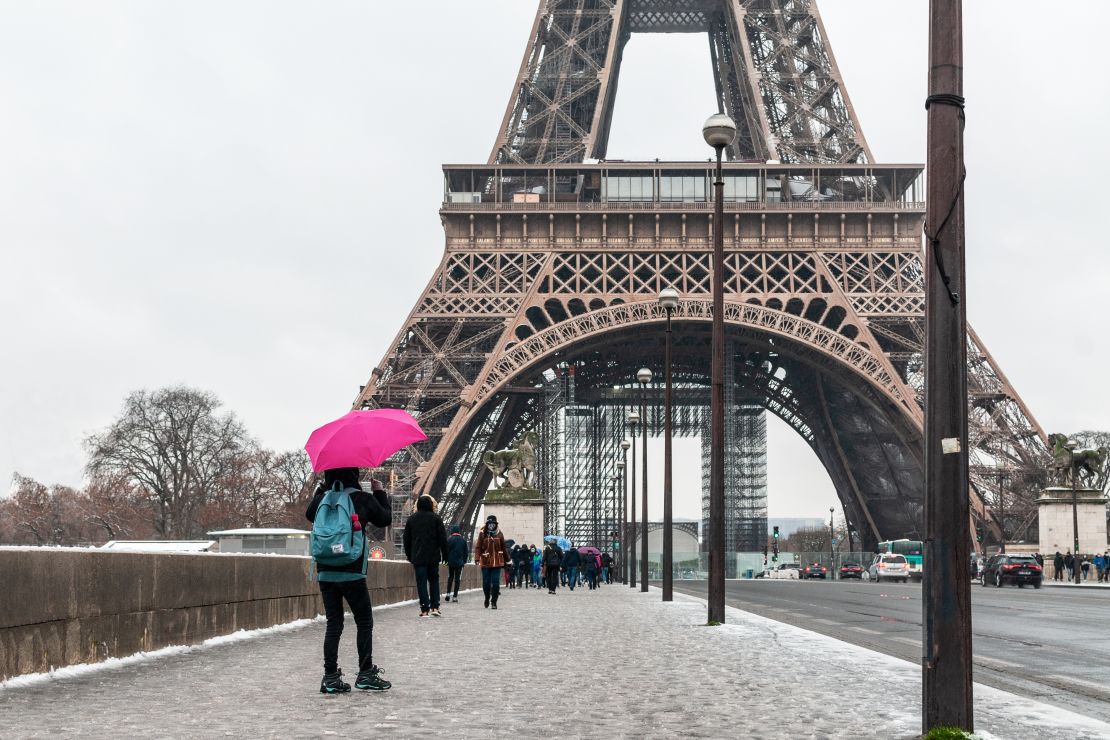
point(174, 447)
point(45, 515)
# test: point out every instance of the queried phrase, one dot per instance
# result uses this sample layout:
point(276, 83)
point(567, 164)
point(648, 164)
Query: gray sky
point(202, 193)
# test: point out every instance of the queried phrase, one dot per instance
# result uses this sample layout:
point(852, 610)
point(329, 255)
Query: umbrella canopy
point(362, 439)
point(589, 551)
point(562, 542)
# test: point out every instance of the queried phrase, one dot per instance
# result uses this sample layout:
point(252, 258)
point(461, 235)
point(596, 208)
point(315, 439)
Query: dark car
point(851, 570)
point(814, 570)
point(1019, 569)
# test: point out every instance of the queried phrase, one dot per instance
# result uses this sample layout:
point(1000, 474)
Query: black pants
point(591, 579)
point(358, 598)
point(427, 586)
point(523, 575)
point(454, 577)
point(551, 573)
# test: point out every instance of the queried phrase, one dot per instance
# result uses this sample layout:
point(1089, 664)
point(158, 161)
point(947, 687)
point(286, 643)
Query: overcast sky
point(221, 194)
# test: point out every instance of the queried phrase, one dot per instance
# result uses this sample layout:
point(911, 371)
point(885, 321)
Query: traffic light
point(765, 552)
point(776, 534)
point(978, 532)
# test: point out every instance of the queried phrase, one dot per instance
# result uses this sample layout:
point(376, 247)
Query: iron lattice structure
point(555, 260)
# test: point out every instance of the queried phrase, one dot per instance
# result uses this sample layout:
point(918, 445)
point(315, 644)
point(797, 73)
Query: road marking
point(994, 662)
point(906, 640)
point(831, 622)
point(867, 631)
point(1100, 688)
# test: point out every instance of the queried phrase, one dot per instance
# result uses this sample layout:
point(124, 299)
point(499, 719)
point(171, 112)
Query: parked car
point(815, 570)
point(1019, 569)
point(851, 570)
point(889, 568)
point(784, 570)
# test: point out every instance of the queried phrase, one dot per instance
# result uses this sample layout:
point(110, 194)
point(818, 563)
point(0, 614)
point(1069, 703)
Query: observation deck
point(619, 186)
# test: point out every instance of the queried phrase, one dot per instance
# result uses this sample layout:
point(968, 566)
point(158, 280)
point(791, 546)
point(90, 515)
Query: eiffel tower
point(554, 259)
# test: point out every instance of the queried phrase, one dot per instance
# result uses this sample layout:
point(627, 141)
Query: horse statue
point(1087, 463)
point(515, 466)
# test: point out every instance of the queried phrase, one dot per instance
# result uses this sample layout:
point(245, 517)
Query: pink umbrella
point(362, 439)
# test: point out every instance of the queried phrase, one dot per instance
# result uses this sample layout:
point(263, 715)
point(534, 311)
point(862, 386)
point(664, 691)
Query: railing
point(625, 206)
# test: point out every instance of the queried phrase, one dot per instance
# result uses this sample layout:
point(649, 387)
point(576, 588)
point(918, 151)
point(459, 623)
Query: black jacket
point(456, 550)
point(552, 555)
point(372, 509)
point(606, 560)
point(571, 559)
point(425, 539)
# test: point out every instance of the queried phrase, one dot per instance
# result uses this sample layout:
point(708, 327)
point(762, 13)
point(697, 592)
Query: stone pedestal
point(1054, 509)
point(519, 513)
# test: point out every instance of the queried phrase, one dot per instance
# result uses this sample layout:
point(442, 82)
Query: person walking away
point(1058, 567)
point(456, 559)
point(509, 573)
point(571, 561)
point(1085, 565)
point(1069, 563)
point(425, 542)
point(1100, 567)
point(591, 571)
point(552, 564)
point(491, 554)
point(606, 566)
point(340, 499)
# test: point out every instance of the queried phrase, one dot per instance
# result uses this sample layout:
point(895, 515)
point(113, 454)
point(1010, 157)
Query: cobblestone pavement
point(610, 663)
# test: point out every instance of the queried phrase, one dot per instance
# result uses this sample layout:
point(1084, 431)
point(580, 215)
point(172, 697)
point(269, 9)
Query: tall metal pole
point(644, 491)
point(625, 444)
point(946, 610)
point(1001, 511)
point(1074, 518)
point(716, 611)
point(832, 543)
point(667, 560)
point(632, 528)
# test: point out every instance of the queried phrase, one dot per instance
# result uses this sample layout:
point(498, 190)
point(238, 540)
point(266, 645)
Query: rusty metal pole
point(946, 610)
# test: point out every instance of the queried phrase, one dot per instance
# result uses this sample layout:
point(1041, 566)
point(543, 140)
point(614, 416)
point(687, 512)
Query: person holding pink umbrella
point(339, 583)
point(358, 439)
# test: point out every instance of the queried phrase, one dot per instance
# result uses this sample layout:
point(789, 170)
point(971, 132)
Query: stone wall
point(62, 607)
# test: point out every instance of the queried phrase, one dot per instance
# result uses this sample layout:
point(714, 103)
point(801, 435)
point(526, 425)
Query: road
point(1051, 644)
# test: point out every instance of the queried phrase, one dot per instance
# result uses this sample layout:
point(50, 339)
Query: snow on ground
point(611, 663)
point(859, 663)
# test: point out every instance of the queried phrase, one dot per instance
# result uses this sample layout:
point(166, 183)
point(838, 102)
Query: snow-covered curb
point(111, 664)
point(1018, 709)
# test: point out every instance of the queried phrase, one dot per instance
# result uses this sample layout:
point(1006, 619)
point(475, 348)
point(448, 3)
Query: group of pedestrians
point(1068, 563)
point(527, 567)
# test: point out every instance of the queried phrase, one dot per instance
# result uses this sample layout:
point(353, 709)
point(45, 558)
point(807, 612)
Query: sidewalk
point(598, 664)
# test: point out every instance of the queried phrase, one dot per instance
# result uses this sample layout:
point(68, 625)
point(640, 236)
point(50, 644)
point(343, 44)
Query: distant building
point(160, 545)
point(275, 541)
point(789, 525)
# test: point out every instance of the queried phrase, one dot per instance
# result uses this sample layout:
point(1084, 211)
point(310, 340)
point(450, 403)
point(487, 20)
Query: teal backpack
point(334, 540)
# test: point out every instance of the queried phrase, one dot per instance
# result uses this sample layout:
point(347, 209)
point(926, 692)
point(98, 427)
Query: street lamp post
point(643, 375)
point(625, 444)
point(1074, 514)
point(668, 299)
point(633, 420)
point(832, 542)
point(719, 132)
point(1000, 466)
point(618, 520)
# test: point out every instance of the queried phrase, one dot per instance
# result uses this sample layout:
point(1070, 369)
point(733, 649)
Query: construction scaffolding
point(580, 435)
